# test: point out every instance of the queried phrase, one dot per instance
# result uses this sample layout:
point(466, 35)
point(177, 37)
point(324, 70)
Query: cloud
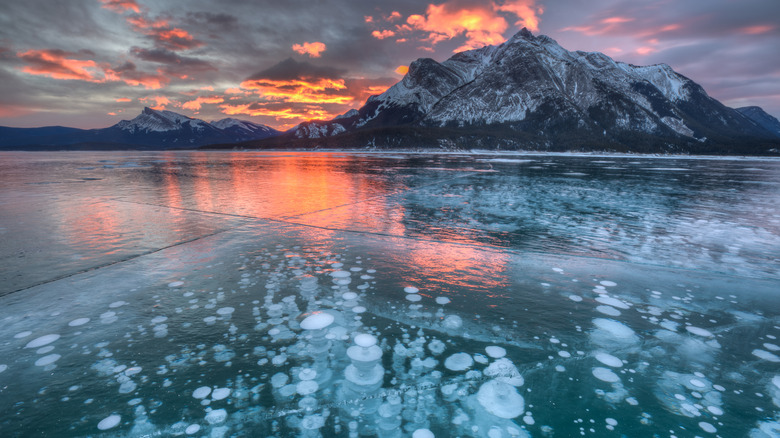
point(174, 64)
point(124, 99)
point(129, 74)
point(312, 49)
point(197, 103)
point(121, 6)
point(159, 101)
point(527, 11)
point(380, 35)
point(480, 23)
point(59, 64)
point(402, 69)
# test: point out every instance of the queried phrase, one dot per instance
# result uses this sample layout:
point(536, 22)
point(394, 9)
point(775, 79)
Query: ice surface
point(608, 359)
point(459, 362)
point(605, 374)
point(109, 422)
point(43, 340)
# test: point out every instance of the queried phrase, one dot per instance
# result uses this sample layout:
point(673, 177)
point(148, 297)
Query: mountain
point(758, 115)
point(152, 129)
point(531, 93)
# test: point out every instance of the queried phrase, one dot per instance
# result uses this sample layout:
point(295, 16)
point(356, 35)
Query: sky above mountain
point(92, 63)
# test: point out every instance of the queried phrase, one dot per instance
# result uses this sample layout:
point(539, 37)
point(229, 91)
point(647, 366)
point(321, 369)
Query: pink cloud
point(314, 49)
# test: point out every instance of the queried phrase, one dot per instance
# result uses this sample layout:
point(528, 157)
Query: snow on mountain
point(160, 121)
point(541, 92)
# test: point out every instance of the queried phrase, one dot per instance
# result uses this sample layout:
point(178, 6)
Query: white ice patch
point(175, 283)
point(459, 362)
point(575, 298)
point(608, 310)
point(216, 416)
point(109, 422)
point(225, 311)
point(220, 393)
point(413, 297)
point(201, 392)
point(442, 300)
point(699, 331)
point(3, 367)
point(605, 375)
point(116, 304)
point(495, 351)
point(21, 335)
point(192, 429)
point(765, 355)
point(79, 321)
point(614, 302)
point(41, 341)
point(47, 360)
point(608, 283)
point(609, 360)
point(411, 290)
point(707, 427)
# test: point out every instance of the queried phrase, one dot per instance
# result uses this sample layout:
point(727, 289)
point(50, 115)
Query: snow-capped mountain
point(530, 92)
point(152, 129)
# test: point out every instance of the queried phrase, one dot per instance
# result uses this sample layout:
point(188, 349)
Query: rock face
point(152, 129)
point(529, 92)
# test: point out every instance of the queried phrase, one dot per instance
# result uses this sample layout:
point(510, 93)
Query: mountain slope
point(531, 93)
point(152, 129)
point(758, 115)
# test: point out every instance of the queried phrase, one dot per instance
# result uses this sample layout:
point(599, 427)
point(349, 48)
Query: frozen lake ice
point(343, 294)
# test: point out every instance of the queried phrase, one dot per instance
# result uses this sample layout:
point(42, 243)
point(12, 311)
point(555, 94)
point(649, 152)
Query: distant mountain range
point(530, 93)
point(151, 129)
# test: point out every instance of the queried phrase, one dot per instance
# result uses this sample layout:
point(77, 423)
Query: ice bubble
point(175, 283)
point(225, 311)
point(697, 383)
point(608, 310)
point(307, 387)
point(220, 393)
point(558, 270)
point(495, 351)
point(41, 341)
point(358, 309)
point(609, 360)
point(79, 321)
point(47, 360)
point(422, 433)
point(44, 350)
point(480, 358)
point(116, 304)
point(615, 330)
point(771, 347)
point(216, 416)
point(340, 274)
point(127, 387)
point(365, 340)
point(109, 422)
point(611, 421)
point(605, 374)
point(411, 290)
point(707, 427)
point(458, 362)
point(762, 354)
point(442, 300)
point(614, 302)
point(714, 410)
point(699, 331)
point(3, 367)
point(279, 379)
point(306, 374)
point(348, 296)
point(575, 298)
point(436, 346)
point(505, 371)
point(201, 392)
point(607, 283)
point(279, 359)
point(192, 429)
point(317, 320)
point(452, 322)
point(564, 354)
point(21, 335)
point(501, 399)
point(210, 320)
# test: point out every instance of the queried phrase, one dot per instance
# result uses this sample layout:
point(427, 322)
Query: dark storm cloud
point(290, 69)
point(172, 60)
point(213, 21)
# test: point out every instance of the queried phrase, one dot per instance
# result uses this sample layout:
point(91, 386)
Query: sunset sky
point(92, 63)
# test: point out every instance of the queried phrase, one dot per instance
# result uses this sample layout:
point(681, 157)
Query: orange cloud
point(382, 34)
point(756, 30)
point(480, 25)
point(368, 19)
point(646, 50)
point(124, 99)
point(121, 6)
point(195, 105)
point(159, 101)
point(56, 64)
point(300, 90)
point(402, 69)
point(617, 20)
point(174, 39)
point(312, 49)
point(256, 110)
point(526, 10)
point(395, 15)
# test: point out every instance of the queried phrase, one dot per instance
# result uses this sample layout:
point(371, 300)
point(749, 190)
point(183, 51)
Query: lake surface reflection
point(635, 296)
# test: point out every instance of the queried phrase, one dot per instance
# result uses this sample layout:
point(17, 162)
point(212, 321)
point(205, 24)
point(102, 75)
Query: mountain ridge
point(151, 129)
point(531, 93)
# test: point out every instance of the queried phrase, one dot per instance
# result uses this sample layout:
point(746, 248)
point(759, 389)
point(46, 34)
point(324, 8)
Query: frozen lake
point(224, 294)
